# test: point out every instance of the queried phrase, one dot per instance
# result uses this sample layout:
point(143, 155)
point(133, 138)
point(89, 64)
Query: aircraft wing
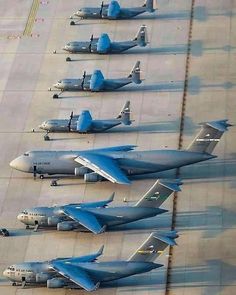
point(85, 218)
point(104, 166)
point(75, 274)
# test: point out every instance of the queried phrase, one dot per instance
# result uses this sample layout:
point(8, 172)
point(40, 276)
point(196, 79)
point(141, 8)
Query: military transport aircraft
point(84, 123)
point(84, 272)
point(95, 216)
point(103, 44)
point(96, 82)
point(112, 11)
point(117, 163)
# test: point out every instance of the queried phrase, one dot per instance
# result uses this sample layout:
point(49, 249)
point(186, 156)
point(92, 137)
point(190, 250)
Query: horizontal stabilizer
point(154, 246)
point(208, 136)
point(159, 192)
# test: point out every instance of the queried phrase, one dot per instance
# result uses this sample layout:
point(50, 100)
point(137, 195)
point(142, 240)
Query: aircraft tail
point(208, 136)
point(124, 114)
point(148, 4)
point(154, 246)
point(135, 73)
point(159, 192)
point(141, 37)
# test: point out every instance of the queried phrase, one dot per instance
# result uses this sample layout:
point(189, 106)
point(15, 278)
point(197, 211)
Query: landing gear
point(46, 137)
point(72, 23)
point(13, 284)
point(36, 226)
point(23, 284)
point(27, 227)
point(41, 176)
point(55, 96)
point(68, 59)
point(54, 182)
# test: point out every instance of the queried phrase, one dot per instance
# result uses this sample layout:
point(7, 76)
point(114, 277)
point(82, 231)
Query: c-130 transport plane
point(84, 272)
point(113, 11)
point(103, 44)
point(97, 83)
point(117, 163)
point(84, 123)
point(95, 216)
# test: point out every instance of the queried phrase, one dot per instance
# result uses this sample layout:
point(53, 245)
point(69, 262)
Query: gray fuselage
point(132, 163)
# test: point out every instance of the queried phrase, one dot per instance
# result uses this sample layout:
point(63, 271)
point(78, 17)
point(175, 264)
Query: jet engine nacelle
point(96, 81)
point(53, 220)
point(65, 225)
point(92, 177)
point(56, 283)
point(81, 171)
point(42, 277)
point(104, 43)
point(113, 10)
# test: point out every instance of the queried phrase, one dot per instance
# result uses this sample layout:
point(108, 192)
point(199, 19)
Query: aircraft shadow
point(209, 220)
point(193, 275)
point(157, 127)
point(210, 171)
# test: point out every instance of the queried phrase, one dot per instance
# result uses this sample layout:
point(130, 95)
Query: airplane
point(112, 11)
point(117, 163)
point(96, 82)
point(84, 123)
point(96, 216)
point(103, 44)
point(84, 272)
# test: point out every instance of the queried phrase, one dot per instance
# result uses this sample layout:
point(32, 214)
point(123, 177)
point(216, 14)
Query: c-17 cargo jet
point(84, 272)
point(103, 44)
point(113, 11)
point(96, 82)
point(116, 164)
point(84, 123)
point(95, 216)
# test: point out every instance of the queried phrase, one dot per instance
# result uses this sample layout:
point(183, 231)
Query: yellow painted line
point(31, 18)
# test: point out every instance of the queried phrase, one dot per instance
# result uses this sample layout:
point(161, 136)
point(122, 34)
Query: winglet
point(111, 198)
point(168, 237)
point(172, 184)
point(100, 251)
point(221, 125)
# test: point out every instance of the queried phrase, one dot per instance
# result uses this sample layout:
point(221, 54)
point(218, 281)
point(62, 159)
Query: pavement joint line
point(31, 18)
point(180, 141)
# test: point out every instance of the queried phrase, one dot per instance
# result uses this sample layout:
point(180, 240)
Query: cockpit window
point(26, 154)
point(11, 268)
point(68, 44)
point(24, 212)
point(59, 81)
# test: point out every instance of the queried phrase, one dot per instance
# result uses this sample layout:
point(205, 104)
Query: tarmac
point(187, 61)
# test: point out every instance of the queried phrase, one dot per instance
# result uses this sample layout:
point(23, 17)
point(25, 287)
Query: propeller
point(71, 117)
point(83, 79)
point(90, 44)
point(102, 4)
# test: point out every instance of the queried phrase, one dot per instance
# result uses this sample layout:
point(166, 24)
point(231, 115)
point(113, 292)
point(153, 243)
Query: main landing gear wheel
point(41, 176)
point(46, 137)
point(68, 59)
point(54, 182)
point(72, 23)
point(55, 95)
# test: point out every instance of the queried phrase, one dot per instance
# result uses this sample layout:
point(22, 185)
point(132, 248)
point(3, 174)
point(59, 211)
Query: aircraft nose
point(21, 164)
point(5, 273)
point(20, 217)
point(43, 125)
